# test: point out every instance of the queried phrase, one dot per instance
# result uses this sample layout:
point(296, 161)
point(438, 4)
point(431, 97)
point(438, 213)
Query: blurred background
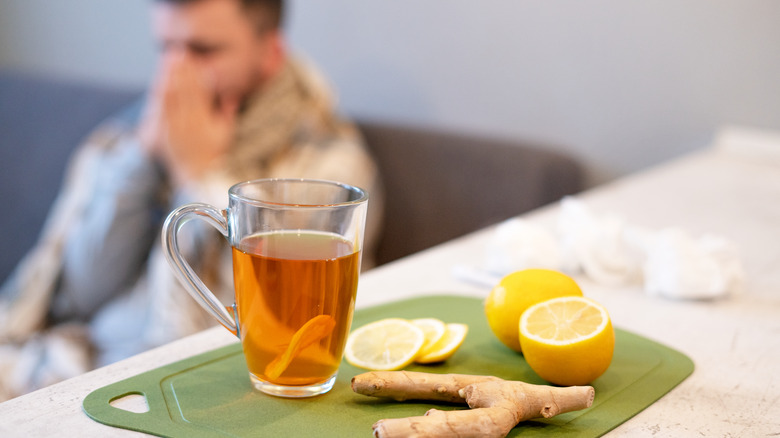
point(619, 85)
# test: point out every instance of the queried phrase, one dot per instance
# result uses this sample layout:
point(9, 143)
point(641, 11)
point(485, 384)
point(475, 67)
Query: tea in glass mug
point(296, 248)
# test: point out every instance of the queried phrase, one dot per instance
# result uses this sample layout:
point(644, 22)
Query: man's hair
point(267, 14)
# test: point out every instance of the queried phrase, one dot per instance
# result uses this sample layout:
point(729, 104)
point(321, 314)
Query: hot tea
point(296, 258)
point(295, 294)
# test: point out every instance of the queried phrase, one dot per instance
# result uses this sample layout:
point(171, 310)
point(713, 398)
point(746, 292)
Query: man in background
point(227, 105)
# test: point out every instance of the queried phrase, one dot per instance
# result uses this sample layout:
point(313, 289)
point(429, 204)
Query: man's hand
point(186, 126)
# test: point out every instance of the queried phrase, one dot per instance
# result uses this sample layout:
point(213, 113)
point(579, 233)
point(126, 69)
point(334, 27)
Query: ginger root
point(497, 405)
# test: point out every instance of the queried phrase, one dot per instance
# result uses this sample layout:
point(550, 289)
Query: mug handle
point(184, 272)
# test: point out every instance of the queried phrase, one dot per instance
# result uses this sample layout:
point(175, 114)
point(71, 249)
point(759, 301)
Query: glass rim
point(361, 196)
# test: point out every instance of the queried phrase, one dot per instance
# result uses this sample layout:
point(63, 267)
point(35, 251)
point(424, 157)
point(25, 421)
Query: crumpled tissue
point(517, 244)
point(605, 248)
point(680, 266)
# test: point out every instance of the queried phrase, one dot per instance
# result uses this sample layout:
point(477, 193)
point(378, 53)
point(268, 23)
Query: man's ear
point(272, 54)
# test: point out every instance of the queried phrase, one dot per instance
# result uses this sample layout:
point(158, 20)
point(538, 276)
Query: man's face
point(219, 37)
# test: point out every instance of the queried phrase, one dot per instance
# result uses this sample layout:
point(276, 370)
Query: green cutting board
point(210, 394)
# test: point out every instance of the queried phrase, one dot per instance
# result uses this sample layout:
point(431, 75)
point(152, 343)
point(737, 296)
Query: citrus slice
point(568, 340)
point(447, 345)
point(384, 345)
point(433, 329)
point(315, 329)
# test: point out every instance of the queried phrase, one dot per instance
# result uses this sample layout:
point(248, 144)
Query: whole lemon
point(517, 292)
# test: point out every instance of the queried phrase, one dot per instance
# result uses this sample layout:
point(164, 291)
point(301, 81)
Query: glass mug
point(296, 247)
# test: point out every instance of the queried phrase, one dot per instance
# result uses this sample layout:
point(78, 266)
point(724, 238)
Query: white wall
point(621, 84)
point(100, 40)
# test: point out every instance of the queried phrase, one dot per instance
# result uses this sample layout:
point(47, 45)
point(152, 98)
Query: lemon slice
point(433, 329)
point(568, 340)
point(449, 343)
point(384, 345)
point(313, 331)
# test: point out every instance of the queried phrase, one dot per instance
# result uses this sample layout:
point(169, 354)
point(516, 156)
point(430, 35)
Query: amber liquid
point(284, 280)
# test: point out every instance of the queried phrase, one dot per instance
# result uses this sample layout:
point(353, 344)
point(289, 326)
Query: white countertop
point(734, 342)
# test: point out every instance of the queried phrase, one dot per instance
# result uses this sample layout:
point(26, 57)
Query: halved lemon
point(433, 329)
point(446, 346)
point(568, 340)
point(384, 345)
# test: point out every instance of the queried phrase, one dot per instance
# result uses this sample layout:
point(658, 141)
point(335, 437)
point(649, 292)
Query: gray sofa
point(439, 185)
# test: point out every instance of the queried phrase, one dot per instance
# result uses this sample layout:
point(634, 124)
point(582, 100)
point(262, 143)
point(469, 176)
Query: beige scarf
point(287, 130)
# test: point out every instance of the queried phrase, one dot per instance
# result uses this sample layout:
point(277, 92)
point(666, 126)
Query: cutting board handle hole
point(132, 402)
